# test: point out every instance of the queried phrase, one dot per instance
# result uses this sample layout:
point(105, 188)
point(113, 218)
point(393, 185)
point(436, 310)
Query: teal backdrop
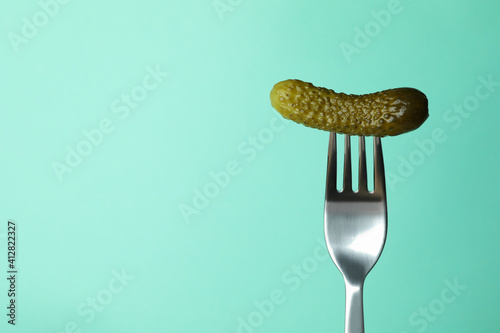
point(154, 188)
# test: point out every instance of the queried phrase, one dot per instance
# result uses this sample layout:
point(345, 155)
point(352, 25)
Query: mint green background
point(119, 209)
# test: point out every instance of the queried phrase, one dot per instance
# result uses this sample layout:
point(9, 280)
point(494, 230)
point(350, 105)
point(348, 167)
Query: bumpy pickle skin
point(385, 113)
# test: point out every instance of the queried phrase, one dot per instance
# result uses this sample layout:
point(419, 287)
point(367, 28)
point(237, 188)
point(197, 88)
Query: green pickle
point(385, 113)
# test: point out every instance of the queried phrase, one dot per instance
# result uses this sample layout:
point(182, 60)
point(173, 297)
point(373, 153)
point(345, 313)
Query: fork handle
point(354, 322)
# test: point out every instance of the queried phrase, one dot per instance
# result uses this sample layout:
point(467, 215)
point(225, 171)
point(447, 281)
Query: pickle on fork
point(384, 113)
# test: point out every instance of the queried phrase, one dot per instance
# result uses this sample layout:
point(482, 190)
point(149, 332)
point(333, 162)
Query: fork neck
point(354, 322)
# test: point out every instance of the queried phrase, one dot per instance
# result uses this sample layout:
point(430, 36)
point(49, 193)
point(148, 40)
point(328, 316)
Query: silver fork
point(355, 224)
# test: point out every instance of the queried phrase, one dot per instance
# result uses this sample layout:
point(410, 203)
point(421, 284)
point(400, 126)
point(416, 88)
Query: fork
point(355, 224)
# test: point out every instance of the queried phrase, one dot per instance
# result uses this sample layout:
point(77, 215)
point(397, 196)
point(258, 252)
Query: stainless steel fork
point(355, 224)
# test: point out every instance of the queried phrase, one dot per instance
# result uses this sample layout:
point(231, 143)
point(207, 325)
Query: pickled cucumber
point(385, 113)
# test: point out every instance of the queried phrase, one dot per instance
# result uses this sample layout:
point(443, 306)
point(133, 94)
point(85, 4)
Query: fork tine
point(363, 182)
point(378, 162)
point(331, 174)
point(347, 164)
